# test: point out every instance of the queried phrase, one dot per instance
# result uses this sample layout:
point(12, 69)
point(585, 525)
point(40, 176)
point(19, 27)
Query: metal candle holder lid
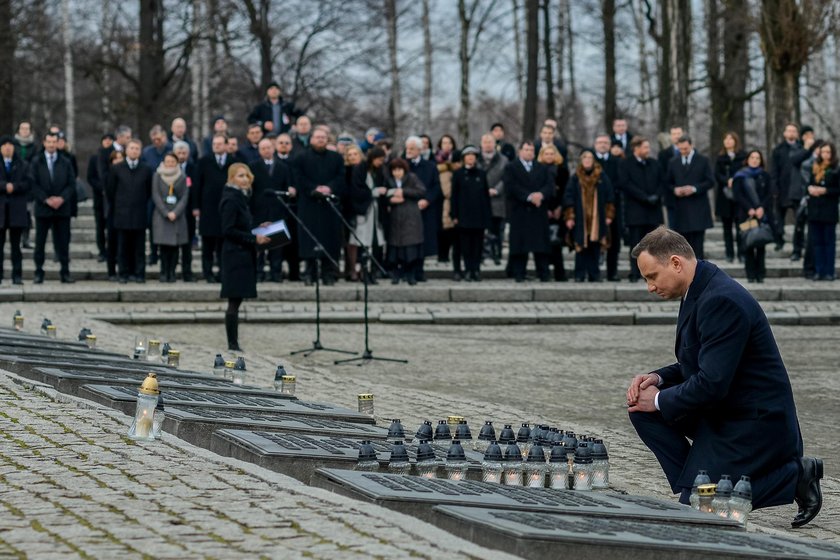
point(706, 489)
point(395, 430)
point(83, 334)
point(288, 379)
point(240, 364)
point(442, 431)
point(365, 396)
point(456, 452)
point(493, 454)
point(524, 433)
point(166, 349)
point(399, 454)
point(507, 436)
point(487, 432)
point(724, 486)
point(558, 452)
point(51, 327)
point(220, 362)
point(599, 450)
point(454, 420)
point(18, 313)
point(583, 456)
point(570, 441)
point(425, 452)
point(150, 385)
point(743, 489)
point(536, 454)
point(424, 432)
point(513, 453)
point(366, 451)
point(45, 323)
point(175, 353)
point(462, 431)
point(279, 373)
point(229, 364)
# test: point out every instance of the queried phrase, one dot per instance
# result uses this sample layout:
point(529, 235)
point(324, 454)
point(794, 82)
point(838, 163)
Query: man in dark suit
point(14, 194)
point(274, 115)
point(664, 158)
point(210, 181)
point(129, 190)
point(431, 206)
point(529, 187)
point(641, 182)
point(621, 134)
point(689, 178)
point(610, 163)
point(98, 188)
point(270, 174)
point(53, 187)
point(728, 393)
point(249, 151)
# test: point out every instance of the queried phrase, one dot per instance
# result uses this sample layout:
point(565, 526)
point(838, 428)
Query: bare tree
point(608, 10)
point(529, 113)
point(550, 102)
point(645, 78)
point(790, 31)
point(69, 81)
point(672, 33)
point(7, 66)
point(261, 30)
point(394, 109)
point(517, 45)
point(469, 41)
point(426, 116)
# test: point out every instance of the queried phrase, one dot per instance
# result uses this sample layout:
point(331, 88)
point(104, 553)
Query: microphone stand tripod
point(367, 355)
point(319, 251)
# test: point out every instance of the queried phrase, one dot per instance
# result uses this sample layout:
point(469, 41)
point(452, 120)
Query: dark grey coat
point(495, 174)
point(166, 232)
point(13, 206)
point(692, 213)
point(528, 224)
point(239, 249)
point(405, 223)
point(128, 193)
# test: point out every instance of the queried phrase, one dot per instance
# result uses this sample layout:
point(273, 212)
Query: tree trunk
point(727, 85)
point(7, 67)
point(646, 85)
point(197, 72)
point(426, 117)
point(529, 117)
point(561, 47)
point(151, 65)
point(610, 87)
point(570, 58)
point(69, 97)
point(464, 59)
point(517, 45)
point(678, 38)
point(105, 33)
point(550, 103)
point(394, 109)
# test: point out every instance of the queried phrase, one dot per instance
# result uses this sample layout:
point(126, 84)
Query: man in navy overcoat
point(729, 392)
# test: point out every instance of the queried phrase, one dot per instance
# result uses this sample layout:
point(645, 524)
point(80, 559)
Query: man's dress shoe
point(808, 493)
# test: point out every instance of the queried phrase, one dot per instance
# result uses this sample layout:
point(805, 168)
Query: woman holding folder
point(239, 249)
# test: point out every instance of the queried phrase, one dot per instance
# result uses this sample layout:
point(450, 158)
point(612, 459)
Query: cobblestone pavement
point(570, 376)
point(73, 486)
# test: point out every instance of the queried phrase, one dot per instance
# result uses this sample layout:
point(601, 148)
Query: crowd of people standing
point(408, 202)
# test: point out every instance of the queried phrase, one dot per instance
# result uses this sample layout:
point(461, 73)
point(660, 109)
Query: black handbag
point(755, 233)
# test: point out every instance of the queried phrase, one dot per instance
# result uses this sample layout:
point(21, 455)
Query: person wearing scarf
point(447, 158)
point(588, 211)
point(823, 195)
point(25, 142)
point(753, 196)
point(169, 220)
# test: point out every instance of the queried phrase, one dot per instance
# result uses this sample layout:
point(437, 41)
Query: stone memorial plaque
point(416, 496)
point(550, 535)
point(125, 398)
point(69, 381)
point(298, 455)
point(21, 364)
point(82, 355)
point(197, 424)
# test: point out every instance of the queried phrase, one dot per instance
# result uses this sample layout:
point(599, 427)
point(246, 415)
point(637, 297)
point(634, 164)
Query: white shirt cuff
point(656, 401)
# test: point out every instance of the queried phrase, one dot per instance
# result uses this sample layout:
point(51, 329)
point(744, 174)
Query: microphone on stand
point(282, 194)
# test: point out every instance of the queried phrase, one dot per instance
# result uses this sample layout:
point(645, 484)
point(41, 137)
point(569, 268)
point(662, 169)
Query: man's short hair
point(221, 135)
point(50, 134)
point(497, 125)
point(180, 145)
point(661, 244)
point(156, 130)
point(637, 141)
point(252, 126)
point(122, 129)
point(135, 141)
point(525, 143)
point(685, 138)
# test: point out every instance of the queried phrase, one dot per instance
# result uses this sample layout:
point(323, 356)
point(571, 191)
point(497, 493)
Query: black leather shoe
point(67, 279)
point(39, 278)
point(808, 493)
point(17, 280)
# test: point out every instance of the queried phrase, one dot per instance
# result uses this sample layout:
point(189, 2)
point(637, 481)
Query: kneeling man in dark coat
point(729, 392)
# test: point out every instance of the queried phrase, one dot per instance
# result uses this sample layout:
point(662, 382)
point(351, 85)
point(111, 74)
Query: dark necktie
point(219, 159)
point(8, 167)
point(51, 165)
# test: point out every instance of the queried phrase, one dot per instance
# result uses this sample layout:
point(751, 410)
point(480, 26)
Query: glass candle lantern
point(367, 458)
point(600, 466)
point(701, 478)
point(239, 371)
point(44, 324)
point(443, 437)
point(396, 432)
point(158, 418)
point(426, 461)
point(582, 470)
point(142, 428)
point(90, 340)
point(506, 436)
point(720, 503)
point(558, 468)
point(219, 366)
point(512, 466)
point(706, 492)
point(228, 371)
point(173, 359)
point(491, 466)
point(153, 350)
point(52, 331)
point(486, 435)
point(165, 349)
point(288, 384)
point(398, 463)
point(424, 433)
point(456, 461)
point(83, 333)
point(365, 401)
point(139, 348)
point(18, 321)
point(463, 433)
point(535, 467)
point(740, 504)
point(524, 440)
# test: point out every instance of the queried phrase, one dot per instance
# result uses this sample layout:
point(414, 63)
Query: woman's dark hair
point(170, 154)
point(833, 161)
point(374, 153)
point(737, 139)
point(760, 155)
point(114, 155)
point(451, 139)
point(398, 163)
